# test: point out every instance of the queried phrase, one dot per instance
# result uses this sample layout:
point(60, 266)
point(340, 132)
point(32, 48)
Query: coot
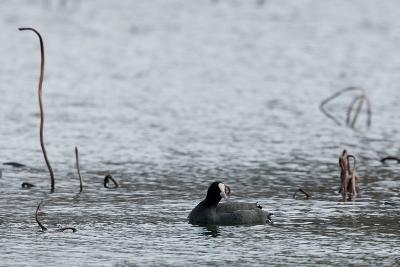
point(210, 211)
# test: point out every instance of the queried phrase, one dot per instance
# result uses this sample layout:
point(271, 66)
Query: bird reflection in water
point(211, 230)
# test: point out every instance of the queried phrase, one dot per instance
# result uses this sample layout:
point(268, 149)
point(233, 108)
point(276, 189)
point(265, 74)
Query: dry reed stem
point(360, 99)
point(41, 105)
point(348, 176)
point(78, 169)
point(67, 228)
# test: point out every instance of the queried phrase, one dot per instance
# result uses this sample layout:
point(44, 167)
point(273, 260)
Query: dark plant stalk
point(14, 164)
point(41, 106)
point(78, 168)
point(44, 228)
point(67, 228)
point(390, 158)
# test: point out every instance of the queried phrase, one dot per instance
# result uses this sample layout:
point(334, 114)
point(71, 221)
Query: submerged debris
point(107, 180)
point(389, 203)
point(348, 177)
point(14, 164)
point(27, 185)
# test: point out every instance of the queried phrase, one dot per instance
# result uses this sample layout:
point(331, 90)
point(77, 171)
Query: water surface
point(171, 96)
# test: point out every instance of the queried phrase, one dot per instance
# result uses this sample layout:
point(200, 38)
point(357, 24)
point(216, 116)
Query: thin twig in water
point(41, 106)
point(302, 191)
point(107, 180)
point(44, 228)
point(78, 168)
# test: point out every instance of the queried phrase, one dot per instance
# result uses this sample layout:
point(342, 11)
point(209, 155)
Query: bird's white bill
point(222, 188)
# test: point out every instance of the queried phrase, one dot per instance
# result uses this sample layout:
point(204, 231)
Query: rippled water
point(168, 96)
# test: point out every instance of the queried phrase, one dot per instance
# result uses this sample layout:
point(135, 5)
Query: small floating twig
point(41, 106)
point(383, 160)
point(44, 228)
point(302, 191)
point(107, 180)
point(27, 185)
point(67, 228)
point(78, 168)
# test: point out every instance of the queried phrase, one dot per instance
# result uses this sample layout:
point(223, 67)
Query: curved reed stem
point(383, 160)
point(107, 180)
point(79, 169)
point(67, 228)
point(41, 106)
point(44, 228)
point(335, 95)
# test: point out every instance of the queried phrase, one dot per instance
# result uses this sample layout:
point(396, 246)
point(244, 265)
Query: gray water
point(169, 96)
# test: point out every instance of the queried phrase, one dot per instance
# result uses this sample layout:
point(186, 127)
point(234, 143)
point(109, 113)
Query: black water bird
point(211, 212)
